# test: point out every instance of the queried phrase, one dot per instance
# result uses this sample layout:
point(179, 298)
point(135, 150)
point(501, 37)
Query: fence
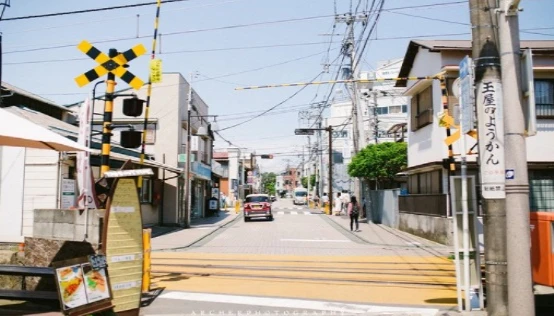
point(423, 204)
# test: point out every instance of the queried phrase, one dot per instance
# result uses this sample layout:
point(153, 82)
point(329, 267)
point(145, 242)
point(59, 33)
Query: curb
point(200, 238)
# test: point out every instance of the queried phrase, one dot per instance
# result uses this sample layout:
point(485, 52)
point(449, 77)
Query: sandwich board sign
point(122, 243)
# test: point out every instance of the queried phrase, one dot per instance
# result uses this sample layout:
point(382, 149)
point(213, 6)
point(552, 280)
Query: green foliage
point(304, 181)
point(268, 182)
point(379, 162)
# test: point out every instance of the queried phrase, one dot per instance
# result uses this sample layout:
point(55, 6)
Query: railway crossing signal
point(113, 64)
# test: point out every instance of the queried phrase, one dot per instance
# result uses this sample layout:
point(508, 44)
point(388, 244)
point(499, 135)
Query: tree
point(380, 162)
point(304, 181)
point(268, 182)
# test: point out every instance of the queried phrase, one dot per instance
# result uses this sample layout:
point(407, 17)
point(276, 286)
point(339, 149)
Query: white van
point(300, 196)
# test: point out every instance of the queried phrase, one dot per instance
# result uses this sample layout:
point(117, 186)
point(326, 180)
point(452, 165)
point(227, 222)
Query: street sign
point(466, 95)
point(303, 131)
point(182, 158)
point(491, 138)
point(115, 65)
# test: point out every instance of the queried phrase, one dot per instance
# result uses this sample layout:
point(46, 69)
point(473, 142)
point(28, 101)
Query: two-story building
point(166, 142)
point(425, 210)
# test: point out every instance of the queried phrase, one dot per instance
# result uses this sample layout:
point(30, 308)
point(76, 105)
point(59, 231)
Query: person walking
point(354, 212)
point(337, 207)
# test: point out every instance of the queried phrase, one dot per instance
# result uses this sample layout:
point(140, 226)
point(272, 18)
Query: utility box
point(542, 247)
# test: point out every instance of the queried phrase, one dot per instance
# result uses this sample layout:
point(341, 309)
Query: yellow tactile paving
point(364, 279)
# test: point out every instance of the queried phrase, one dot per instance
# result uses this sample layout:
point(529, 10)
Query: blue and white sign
point(510, 174)
point(201, 170)
point(466, 95)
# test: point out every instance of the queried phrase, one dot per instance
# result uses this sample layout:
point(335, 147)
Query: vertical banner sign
point(84, 173)
point(466, 95)
point(124, 245)
point(491, 138)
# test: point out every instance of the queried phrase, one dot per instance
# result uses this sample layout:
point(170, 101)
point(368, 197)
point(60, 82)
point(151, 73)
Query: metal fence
point(423, 204)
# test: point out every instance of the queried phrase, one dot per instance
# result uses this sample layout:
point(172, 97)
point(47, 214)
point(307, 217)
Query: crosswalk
point(293, 213)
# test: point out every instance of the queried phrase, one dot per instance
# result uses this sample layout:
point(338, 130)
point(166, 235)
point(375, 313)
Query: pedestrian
point(337, 208)
point(345, 198)
point(223, 201)
point(354, 212)
point(325, 199)
point(316, 200)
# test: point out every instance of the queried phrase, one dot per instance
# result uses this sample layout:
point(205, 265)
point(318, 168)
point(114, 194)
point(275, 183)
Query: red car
point(257, 205)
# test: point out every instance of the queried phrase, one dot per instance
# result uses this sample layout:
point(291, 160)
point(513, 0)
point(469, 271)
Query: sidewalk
point(169, 238)
point(390, 238)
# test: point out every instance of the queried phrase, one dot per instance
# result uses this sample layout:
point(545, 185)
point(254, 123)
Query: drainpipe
point(59, 187)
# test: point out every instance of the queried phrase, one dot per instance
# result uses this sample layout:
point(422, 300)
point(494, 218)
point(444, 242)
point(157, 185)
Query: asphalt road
point(301, 263)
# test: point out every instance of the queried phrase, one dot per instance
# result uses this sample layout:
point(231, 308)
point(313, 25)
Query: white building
point(166, 142)
point(383, 106)
point(424, 210)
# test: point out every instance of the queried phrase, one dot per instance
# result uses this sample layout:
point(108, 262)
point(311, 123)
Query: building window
point(422, 109)
point(544, 98)
point(395, 109)
point(146, 191)
point(404, 108)
point(382, 110)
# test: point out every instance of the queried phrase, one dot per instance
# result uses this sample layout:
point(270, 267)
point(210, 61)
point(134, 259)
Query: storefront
point(200, 188)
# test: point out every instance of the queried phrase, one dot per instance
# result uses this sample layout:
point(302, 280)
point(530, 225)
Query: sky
point(231, 44)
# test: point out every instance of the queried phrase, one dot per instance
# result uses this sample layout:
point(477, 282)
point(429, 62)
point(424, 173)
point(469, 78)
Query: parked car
point(256, 206)
point(272, 198)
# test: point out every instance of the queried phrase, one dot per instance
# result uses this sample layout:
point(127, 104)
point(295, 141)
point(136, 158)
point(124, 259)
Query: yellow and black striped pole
point(149, 91)
point(108, 114)
point(444, 99)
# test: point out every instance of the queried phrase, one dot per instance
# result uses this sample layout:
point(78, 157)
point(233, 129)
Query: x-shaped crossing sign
point(113, 65)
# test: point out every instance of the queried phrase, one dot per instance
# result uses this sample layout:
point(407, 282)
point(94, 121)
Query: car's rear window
point(254, 199)
point(301, 193)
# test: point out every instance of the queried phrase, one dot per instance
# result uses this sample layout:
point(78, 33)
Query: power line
point(271, 108)
point(128, 6)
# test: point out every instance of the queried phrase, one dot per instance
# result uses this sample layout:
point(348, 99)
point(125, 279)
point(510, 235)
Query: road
point(303, 262)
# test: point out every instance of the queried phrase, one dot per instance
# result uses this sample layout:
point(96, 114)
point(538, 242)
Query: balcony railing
point(423, 204)
point(544, 111)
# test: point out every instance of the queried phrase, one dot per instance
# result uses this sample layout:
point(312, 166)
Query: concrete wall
point(438, 229)
point(53, 224)
point(384, 207)
point(12, 170)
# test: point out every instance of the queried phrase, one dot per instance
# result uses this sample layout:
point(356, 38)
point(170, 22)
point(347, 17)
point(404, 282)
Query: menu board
point(72, 286)
point(81, 287)
point(123, 245)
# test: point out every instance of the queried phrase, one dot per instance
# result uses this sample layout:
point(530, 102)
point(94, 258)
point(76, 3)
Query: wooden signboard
point(122, 245)
point(83, 286)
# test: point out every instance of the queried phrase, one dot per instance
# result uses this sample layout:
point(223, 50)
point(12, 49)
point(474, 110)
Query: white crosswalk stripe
point(292, 213)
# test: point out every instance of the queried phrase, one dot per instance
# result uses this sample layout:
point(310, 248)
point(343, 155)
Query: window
point(146, 190)
point(395, 109)
point(382, 110)
point(257, 198)
point(422, 109)
point(404, 108)
point(544, 98)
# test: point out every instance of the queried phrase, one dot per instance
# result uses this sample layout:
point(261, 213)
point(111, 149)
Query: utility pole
point(359, 136)
point(320, 158)
point(520, 280)
point(330, 184)
point(186, 219)
point(309, 169)
point(491, 151)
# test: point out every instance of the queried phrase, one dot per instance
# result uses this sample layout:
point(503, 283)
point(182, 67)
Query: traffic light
point(266, 156)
